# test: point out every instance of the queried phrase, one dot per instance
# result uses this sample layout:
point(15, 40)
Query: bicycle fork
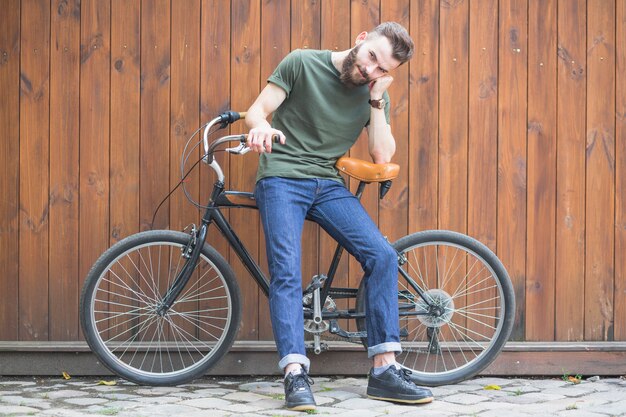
point(192, 253)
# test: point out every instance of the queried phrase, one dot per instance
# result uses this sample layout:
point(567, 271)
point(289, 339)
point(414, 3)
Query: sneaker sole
point(398, 400)
point(303, 407)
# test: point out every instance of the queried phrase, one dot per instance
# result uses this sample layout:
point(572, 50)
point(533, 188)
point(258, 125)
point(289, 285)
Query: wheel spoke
point(455, 326)
point(124, 328)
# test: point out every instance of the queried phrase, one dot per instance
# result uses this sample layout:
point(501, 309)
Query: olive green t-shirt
point(321, 117)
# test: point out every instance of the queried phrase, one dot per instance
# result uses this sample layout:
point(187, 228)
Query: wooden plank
point(424, 116)
point(185, 98)
point(154, 145)
point(305, 24)
point(9, 170)
point(335, 33)
point(124, 136)
point(482, 148)
point(364, 16)
point(570, 215)
point(215, 97)
point(184, 120)
point(600, 169)
point(424, 121)
point(64, 129)
point(453, 96)
point(306, 34)
point(34, 176)
point(541, 245)
point(155, 105)
point(247, 358)
point(620, 185)
point(512, 84)
point(393, 209)
point(94, 133)
point(214, 93)
point(276, 36)
point(275, 45)
point(482, 156)
point(453, 132)
point(335, 36)
point(245, 71)
point(125, 118)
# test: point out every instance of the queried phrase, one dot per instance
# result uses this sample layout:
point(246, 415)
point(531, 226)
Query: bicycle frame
point(237, 199)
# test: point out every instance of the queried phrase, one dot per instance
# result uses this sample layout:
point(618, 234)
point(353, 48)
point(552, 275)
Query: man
point(321, 101)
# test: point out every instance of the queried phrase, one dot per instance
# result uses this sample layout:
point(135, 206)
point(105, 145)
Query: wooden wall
point(510, 123)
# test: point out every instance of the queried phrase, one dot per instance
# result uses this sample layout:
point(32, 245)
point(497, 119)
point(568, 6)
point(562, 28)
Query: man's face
point(368, 60)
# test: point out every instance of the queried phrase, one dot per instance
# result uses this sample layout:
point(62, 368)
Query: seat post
point(359, 190)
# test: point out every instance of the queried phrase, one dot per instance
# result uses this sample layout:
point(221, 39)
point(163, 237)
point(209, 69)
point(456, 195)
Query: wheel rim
point(461, 314)
point(133, 337)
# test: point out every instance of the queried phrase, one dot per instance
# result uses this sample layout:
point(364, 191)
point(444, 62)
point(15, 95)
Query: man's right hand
point(260, 138)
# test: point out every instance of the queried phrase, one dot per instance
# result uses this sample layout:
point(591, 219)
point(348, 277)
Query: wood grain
point(245, 71)
point(600, 170)
point(34, 177)
point(9, 171)
point(541, 246)
point(570, 199)
point(620, 186)
point(512, 158)
point(64, 130)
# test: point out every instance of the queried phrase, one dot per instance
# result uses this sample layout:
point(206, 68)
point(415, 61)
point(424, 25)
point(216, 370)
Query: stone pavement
point(263, 397)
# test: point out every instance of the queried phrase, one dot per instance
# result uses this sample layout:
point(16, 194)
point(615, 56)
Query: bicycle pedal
point(335, 329)
point(316, 282)
point(311, 346)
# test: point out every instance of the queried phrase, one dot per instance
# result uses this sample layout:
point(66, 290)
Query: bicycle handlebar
point(224, 120)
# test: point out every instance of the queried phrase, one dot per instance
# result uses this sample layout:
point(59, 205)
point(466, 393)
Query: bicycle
point(161, 307)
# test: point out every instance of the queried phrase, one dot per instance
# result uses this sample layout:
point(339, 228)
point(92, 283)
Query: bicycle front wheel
point(456, 306)
point(119, 305)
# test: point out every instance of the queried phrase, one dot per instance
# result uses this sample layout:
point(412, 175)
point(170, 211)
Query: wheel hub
point(440, 310)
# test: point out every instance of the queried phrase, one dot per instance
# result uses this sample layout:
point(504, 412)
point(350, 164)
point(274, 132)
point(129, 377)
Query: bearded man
point(321, 101)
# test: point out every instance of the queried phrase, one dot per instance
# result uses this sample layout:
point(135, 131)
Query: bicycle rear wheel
point(470, 310)
point(118, 310)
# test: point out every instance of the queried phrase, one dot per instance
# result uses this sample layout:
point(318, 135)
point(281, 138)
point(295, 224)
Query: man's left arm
point(381, 143)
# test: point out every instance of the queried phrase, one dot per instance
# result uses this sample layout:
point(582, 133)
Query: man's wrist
point(377, 104)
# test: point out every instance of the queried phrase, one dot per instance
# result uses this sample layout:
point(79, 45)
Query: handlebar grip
point(275, 138)
point(230, 117)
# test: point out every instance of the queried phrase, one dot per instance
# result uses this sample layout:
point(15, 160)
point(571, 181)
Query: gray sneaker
point(395, 385)
point(298, 395)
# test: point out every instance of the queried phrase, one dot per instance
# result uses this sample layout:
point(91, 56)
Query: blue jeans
point(284, 203)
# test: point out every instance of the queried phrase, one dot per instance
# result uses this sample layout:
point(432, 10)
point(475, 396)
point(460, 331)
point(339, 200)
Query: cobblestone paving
point(345, 397)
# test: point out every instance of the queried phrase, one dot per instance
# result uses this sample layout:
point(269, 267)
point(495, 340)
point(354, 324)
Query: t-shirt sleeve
point(287, 71)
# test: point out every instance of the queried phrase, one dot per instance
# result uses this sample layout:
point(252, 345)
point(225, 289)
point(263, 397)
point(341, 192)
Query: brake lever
point(242, 149)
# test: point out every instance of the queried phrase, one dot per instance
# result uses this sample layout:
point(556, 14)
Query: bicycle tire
point(119, 318)
point(475, 313)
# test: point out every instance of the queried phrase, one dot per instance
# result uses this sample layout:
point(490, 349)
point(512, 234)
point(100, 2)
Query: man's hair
point(401, 43)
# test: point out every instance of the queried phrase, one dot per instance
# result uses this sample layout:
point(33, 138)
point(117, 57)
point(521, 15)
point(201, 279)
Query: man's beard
point(347, 69)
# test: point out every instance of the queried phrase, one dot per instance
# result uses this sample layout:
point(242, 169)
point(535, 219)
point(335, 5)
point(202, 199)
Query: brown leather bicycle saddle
point(367, 171)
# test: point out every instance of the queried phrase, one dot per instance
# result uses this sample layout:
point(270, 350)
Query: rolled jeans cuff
point(295, 358)
point(384, 348)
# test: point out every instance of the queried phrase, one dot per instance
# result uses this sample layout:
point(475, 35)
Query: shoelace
point(404, 375)
point(300, 380)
